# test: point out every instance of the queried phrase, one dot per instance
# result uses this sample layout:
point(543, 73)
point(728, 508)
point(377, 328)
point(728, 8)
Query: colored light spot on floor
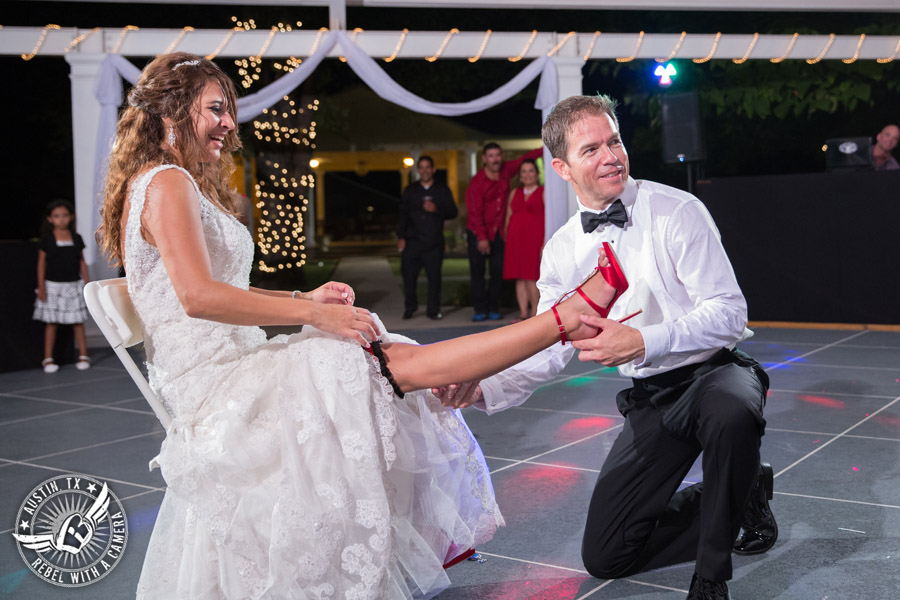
point(823, 401)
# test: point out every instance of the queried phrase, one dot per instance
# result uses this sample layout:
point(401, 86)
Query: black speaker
point(682, 139)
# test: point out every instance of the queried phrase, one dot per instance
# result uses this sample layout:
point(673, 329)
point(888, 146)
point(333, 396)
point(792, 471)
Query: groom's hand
point(615, 344)
point(458, 395)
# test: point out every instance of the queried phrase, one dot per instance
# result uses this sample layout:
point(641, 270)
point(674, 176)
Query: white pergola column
point(85, 69)
point(568, 68)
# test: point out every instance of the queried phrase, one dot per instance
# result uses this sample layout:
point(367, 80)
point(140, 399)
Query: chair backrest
point(110, 306)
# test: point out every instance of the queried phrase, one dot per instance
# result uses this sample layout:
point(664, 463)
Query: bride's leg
point(481, 355)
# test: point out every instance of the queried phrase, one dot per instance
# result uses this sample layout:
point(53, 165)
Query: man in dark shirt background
point(486, 200)
point(424, 207)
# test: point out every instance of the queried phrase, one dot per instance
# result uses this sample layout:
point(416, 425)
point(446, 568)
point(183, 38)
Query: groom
point(691, 391)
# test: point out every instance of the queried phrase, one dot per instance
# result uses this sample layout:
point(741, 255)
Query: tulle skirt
point(295, 472)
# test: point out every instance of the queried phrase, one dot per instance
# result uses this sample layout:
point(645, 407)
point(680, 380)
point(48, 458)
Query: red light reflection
point(582, 427)
point(822, 401)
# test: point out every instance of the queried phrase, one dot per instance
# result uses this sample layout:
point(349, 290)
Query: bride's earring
point(171, 137)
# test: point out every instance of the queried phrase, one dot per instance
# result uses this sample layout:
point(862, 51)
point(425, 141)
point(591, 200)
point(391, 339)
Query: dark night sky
point(39, 130)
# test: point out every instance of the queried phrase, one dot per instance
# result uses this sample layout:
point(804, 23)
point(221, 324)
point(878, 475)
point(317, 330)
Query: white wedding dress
point(293, 470)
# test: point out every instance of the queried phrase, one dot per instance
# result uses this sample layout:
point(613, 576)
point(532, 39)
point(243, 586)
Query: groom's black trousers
point(636, 520)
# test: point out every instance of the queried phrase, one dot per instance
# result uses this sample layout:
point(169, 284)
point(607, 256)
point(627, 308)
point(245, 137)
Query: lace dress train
point(293, 470)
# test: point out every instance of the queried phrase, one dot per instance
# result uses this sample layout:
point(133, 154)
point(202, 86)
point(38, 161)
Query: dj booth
point(817, 247)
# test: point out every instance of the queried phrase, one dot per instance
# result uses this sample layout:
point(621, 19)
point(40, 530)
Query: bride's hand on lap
point(333, 292)
point(346, 321)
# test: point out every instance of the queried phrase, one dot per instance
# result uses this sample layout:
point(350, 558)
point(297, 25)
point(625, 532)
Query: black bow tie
point(615, 214)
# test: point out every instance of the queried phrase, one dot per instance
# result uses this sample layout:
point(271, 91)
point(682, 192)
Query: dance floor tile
point(851, 469)
point(519, 434)
point(74, 430)
point(501, 578)
point(816, 379)
point(819, 337)
point(545, 509)
point(885, 424)
point(14, 409)
point(108, 387)
point(886, 339)
point(131, 464)
point(818, 412)
point(590, 393)
point(859, 356)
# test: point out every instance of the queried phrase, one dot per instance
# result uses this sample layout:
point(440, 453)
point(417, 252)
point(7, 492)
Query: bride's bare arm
point(333, 292)
point(172, 220)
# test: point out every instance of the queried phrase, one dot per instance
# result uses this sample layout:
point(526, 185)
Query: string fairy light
point(847, 61)
point(315, 46)
point(178, 39)
point(524, 51)
point(590, 49)
point(674, 50)
point(557, 48)
point(443, 46)
point(484, 42)
point(84, 36)
point(223, 43)
point(625, 59)
point(812, 61)
point(712, 50)
point(786, 52)
point(266, 44)
point(122, 34)
point(890, 58)
point(397, 48)
point(356, 32)
point(40, 41)
point(743, 59)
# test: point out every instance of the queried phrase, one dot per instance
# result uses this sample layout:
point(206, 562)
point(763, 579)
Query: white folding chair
point(112, 310)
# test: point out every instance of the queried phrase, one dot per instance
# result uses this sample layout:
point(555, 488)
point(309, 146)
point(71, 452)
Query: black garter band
point(378, 353)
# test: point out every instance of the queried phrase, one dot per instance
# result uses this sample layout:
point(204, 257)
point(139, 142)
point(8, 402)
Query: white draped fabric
point(114, 68)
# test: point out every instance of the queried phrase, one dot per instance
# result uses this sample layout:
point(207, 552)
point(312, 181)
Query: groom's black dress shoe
point(758, 529)
point(705, 589)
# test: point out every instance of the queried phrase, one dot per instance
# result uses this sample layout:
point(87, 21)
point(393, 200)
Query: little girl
point(61, 275)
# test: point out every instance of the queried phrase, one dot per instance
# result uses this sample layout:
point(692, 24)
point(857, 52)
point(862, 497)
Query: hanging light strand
point(178, 39)
point(890, 58)
point(743, 59)
point(122, 34)
point(557, 48)
point(786, 52)
point(223, 43)
point(637, 48)
point(40, 42)
point(356, 32)
point(593, 43)
point(484, 42)
point(674, 50)
point(712, 50)
point(443, 46)
point(84, 36)
point(266, 44)
point(524, 51)
point(812, 61)
point(847, 61)
point(398, 47)
point(318, 40)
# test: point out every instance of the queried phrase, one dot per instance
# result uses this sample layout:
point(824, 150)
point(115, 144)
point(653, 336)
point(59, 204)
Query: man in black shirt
point(424, 207)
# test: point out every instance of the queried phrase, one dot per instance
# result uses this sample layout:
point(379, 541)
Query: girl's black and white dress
point(293, 470)
point(62, 280)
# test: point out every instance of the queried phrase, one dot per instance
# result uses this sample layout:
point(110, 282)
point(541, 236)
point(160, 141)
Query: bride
point(303, 466)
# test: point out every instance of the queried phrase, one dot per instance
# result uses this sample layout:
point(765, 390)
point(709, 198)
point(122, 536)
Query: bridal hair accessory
point(171, 137)
point(186, 63)
point(132, 99)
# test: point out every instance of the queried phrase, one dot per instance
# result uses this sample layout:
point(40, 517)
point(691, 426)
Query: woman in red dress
point(525, 239)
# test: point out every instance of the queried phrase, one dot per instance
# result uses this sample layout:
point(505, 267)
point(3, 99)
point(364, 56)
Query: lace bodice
point(174, 342)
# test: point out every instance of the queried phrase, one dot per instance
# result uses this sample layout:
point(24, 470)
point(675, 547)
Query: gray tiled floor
point(833, 438)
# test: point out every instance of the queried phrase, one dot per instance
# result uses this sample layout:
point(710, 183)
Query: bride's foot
point(595, 296)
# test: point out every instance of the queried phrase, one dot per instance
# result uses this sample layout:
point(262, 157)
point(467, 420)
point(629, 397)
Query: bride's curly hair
point(169, 86)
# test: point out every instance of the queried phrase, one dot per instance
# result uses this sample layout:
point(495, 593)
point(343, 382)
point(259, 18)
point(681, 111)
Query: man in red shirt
point(486, 200)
